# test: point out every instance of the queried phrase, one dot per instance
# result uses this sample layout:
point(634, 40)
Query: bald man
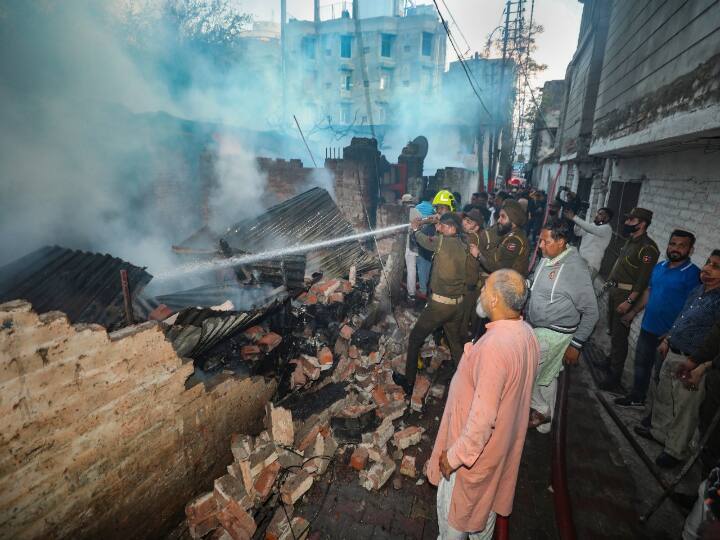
point(477, 451)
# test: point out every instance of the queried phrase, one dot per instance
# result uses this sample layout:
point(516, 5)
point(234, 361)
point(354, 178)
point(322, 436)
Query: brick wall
point(388, 215)
point(351, 183)
point(285, 178)
point(99, 436)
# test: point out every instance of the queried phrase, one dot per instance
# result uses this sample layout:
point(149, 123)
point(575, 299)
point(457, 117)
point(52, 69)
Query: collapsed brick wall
point(99, 436)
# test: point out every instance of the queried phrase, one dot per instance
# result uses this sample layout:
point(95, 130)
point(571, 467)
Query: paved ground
point(609, 485)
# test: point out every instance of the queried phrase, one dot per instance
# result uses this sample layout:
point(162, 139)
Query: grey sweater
point(562, 297)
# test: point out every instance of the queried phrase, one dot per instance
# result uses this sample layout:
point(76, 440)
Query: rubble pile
point(342, 401)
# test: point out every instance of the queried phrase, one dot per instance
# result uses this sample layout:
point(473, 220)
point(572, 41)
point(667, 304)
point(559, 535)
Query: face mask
point(630, 229)
point(480, 310)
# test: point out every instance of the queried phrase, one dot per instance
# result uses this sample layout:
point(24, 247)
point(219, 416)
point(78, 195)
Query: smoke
point(95, 151)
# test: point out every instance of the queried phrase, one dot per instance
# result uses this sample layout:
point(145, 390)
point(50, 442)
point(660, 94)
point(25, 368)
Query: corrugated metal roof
point(85, 286)
point(309, 217)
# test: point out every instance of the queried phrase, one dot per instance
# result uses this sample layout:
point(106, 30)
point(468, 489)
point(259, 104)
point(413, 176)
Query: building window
point(406, 48)
point(346, 46)
point(385, 78)
point(308, 47)
point(346, 112)
point(386, 45)
point(427, 44)
point(346, 80)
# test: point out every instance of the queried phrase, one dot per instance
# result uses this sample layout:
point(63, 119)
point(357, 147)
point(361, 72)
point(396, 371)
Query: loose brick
point(241, 446)
point(254, 333)
point(422, 385)
point(280, 522)
point(378, 474)
point(383, 433)
point(325, 357)
point(266, 480)
point(229, 489)
point(261, 458)
point(437, 391)
point(237, 522)
point(250, 353)
point(346, 332)
point(407, 466)
point(295, 486)
point(201, 507)
point(278, 422)
point(359, 458)
point(344, 369)
point(269, 341)
point(407, 437)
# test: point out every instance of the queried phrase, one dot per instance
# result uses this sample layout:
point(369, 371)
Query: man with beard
point(676, 399)
point(595, 236)
point(627, 282)
point(472, 223)
point(511, 247)
point(670, 284)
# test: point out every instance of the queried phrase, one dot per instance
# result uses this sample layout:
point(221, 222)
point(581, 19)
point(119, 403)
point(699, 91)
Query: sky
point(477, 18)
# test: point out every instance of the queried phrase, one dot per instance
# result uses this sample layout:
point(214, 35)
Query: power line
point(462, 60)
point(457, 26)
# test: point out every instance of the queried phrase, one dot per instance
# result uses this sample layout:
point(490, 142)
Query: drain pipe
point(561, 497)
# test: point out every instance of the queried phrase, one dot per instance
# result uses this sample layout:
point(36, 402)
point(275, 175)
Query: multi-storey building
point(352, 70)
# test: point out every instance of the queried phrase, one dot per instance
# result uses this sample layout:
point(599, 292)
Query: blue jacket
point(425, 208)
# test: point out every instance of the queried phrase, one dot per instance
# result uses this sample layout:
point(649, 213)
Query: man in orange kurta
point(478, 447)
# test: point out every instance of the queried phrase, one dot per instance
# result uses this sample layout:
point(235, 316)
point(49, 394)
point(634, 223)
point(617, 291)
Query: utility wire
point(461, 59)
point(457, 26)
point(303, 138)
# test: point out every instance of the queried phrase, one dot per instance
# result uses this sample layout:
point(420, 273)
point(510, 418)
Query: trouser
point(423, 273)
point(711, 404)
point(470, 317)
point(446, 531)
point(675, 409)
point(434, 316)
point(646, 357)
point(543, 401)
point(619, 335)
point(691, 529)
point(411, 269)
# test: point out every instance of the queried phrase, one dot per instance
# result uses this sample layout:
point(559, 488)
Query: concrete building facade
point(337, 67)
point(641, 119)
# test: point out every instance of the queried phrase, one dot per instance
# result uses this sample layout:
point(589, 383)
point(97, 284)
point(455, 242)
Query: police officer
point(472, 223)
point(510, 247)
point(627, 281)
point(447, 283)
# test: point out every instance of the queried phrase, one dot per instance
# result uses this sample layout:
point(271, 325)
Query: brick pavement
point(604, 495)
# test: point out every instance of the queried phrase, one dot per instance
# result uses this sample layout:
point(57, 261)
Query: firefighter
point(447, 284)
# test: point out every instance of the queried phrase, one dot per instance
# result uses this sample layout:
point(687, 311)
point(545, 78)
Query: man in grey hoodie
point(562, 310)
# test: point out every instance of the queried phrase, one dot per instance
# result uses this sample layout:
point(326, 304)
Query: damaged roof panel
point(309, 217)
point(85, 286)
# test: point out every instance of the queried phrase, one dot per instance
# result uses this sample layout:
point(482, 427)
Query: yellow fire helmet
point(446, 198)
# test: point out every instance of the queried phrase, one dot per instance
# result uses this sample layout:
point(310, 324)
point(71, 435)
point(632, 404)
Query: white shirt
point(595, 240)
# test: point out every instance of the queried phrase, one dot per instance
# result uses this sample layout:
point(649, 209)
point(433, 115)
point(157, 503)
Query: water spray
point(252, 258)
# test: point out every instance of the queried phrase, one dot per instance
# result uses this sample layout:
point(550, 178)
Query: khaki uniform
point(474, 281)
point(509, 251)
point(444, 306)
point(632, 272)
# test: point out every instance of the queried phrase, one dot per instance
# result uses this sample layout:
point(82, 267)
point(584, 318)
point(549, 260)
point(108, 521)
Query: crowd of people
point(511, 328)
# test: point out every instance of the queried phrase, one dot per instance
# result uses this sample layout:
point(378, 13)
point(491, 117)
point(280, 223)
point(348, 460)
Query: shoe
point(403, 382)
point(645, 433)
point(611, 385)
point(666, 461)
point(629, 401)
point(647, 421)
